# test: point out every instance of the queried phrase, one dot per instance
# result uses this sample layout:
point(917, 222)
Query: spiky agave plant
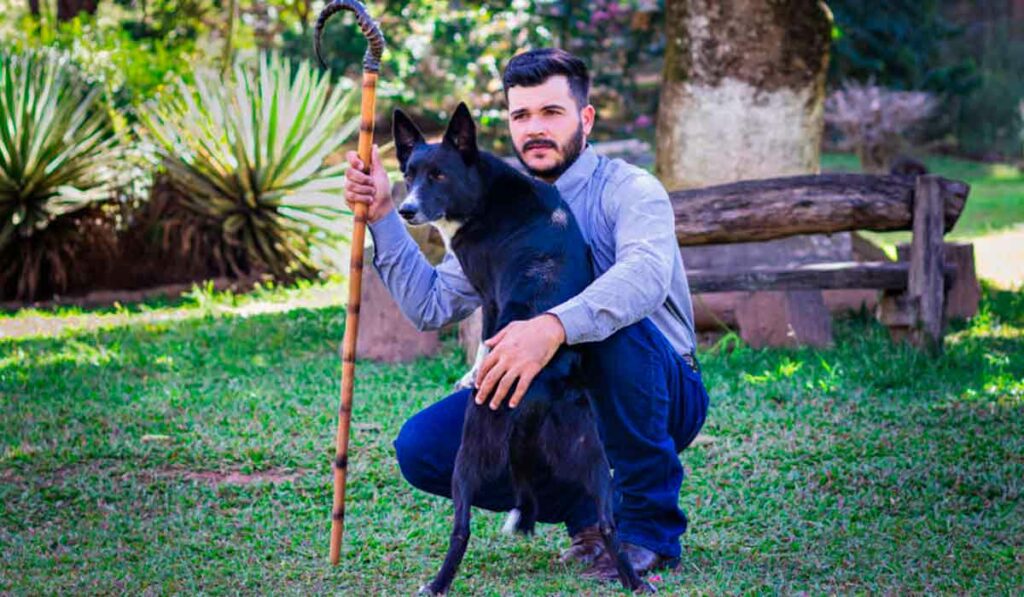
point(248, 156)
point(59, 155)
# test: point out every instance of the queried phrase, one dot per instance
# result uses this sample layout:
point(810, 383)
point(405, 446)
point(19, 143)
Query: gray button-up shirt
point(626, 217)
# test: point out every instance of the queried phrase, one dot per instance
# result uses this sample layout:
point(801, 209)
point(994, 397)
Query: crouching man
point(648, 392)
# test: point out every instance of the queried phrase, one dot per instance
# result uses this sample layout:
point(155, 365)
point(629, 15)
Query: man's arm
point(429, 296)
point(637, 283)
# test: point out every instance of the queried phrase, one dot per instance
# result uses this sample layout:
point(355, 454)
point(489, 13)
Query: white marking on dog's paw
point(511, 521)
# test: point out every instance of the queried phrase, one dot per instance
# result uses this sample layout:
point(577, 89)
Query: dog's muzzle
point(410, 210)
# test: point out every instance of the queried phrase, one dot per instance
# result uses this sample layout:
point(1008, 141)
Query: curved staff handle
point(371, 66)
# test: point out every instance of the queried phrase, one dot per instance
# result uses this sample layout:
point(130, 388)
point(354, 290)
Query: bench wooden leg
point(918, 315)
point(963, 293)
point(784, 318)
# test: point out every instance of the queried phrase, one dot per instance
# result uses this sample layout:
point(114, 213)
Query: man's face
point(548, 129)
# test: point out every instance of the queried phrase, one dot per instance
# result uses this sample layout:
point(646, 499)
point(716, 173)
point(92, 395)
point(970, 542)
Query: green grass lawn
point(866, 468)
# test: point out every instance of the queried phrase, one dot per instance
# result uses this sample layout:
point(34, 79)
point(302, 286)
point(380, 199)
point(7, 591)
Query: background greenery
point(138, 58)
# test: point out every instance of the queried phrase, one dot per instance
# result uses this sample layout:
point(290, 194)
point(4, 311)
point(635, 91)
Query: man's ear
point(461, 133)
point(587, 117)
point(406, 135)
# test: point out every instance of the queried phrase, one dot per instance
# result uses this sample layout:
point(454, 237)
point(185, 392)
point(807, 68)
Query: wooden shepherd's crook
point(371, 66)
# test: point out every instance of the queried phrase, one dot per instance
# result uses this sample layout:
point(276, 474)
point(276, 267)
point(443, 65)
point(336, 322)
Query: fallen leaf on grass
point(153, 438)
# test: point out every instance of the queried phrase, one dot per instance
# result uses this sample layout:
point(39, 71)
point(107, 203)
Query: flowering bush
point(875, 122)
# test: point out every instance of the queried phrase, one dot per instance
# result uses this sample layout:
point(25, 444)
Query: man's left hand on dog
point(518, 352)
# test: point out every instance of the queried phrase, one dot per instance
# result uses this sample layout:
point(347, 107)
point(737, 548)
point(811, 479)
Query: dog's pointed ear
point(407, 136)
point(461, 133)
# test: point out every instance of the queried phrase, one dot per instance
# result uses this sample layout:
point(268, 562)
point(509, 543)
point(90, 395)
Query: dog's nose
point(407, 211)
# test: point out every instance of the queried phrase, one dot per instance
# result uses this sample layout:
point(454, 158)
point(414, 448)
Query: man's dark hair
point(532, 68)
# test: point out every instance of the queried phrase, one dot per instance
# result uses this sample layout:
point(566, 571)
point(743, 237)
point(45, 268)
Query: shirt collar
point(573, 180)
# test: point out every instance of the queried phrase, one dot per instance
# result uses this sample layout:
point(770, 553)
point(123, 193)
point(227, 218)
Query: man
point(637, 315)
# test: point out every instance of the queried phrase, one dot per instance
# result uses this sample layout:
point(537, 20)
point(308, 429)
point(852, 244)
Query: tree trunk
point(33, 7)
point(304, 8)
point(69, 9)
point(743, 98)
point(743, 90)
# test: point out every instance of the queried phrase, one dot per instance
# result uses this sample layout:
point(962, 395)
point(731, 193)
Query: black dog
point(521, 248)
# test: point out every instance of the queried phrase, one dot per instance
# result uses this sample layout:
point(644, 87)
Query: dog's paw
point(426, 591)
point(645, 588)
point(467, 382)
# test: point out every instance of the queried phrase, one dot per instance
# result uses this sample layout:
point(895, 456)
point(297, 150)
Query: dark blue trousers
point(650, 405)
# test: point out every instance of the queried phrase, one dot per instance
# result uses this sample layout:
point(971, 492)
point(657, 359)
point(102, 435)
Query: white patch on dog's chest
point(447, 228)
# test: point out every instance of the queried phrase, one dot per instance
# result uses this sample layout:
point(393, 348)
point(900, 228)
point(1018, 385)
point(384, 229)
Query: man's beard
point(569, 152)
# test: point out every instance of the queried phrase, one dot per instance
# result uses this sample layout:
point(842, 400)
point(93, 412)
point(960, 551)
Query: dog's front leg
point(469, 379)
point(464, 484)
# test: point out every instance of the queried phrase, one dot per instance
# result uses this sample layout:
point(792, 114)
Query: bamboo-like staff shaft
point(355, 284)
point(371, 65)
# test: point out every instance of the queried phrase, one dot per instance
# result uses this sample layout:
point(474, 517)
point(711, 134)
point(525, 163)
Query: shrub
point(248, 155)
point(127, 66)
point(59, 158)
point(875, 122)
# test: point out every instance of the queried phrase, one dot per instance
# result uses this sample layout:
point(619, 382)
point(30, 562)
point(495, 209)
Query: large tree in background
point(743, 90)
point(69, 9)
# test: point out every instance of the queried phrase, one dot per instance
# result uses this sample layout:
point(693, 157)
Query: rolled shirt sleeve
point(429, 296)
point(643, 224)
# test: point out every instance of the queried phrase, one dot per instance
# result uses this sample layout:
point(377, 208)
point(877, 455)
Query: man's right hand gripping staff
point(373, 189)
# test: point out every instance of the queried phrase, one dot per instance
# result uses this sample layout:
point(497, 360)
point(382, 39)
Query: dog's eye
point(436, 175)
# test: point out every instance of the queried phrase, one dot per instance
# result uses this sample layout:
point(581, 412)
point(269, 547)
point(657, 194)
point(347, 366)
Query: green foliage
point(438, 55)
point(248, 154)
point(988, 122)
point(897, 45)
point(623, 43)
point(859, 469)
point(910, 45)
point(58, 156)
point(170, 21)
point(129, 69)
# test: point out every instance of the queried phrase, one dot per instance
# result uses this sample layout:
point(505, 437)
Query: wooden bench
point(915, 288)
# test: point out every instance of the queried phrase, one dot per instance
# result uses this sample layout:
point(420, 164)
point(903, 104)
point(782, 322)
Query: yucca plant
point(248, 155)
point(59, 158)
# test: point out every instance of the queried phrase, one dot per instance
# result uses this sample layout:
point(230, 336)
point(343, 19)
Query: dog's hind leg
point(523, 466)
point(599, 486)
